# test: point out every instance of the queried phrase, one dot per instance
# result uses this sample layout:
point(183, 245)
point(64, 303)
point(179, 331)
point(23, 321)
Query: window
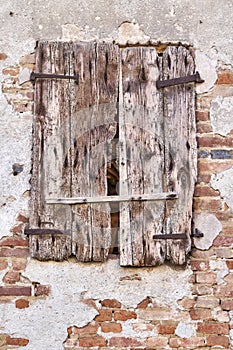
point(112, 149)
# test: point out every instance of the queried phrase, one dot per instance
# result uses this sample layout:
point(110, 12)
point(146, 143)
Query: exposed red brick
point(92, 341)
point(16, 252)
point(21, 304)
point(225, 291)
point(19, 264)
point(88, 329)
point(205, 191)
point(230, 264)
point(221, 241)
point(166, 328)
point(224, 252)
point(11, 277)
point(111, 303)
point(14, 242)
point(207, 302)
point(203, 289)
point(3, 56)
point(15, 291)
point(156, 341)
point(124, 342)
point(207, 204)
point(17, 229)
point(214, 141)
point(124, 315)
point(200, 265)
point(111, 327)
point(187, 303)
point(104, 315)
point(202, 254)
point(13, 71)
point(200, 314)
point(225, 77)
point(213, 328)
point(142, 327)
point(202, 116)
point(41, 289)
point(22, 218)
point(203, 127)
point(144, 303)
point(229, 278)
point(3, 263)
point(17, 341)
point(227, 304)
point(220, 340)
point(203, 178)
point(190, 343)
point(214, 166)
point(206, 277)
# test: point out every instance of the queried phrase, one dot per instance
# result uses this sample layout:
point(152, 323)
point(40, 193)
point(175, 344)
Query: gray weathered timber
point(93, 127)
point(50, 247)
point(51, 160)
point(107, 199)
point(180, 148)
point(141, 158)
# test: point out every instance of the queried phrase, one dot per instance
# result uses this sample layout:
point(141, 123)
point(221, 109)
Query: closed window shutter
point(158, 132)
point(115, 110)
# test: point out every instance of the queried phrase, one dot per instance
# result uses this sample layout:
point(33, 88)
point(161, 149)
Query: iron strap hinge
point(35, 76)
point(195, 78)
point(195, 234)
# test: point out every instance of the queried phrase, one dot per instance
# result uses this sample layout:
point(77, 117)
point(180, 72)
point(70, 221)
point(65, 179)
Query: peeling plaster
point(73, 282)
point(221, 111)
point(185, 330)
point(207, 70)
point(210, 226)
point(224, 183)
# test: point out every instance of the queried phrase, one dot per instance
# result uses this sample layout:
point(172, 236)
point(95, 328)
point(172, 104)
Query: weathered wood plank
point(93, 126)
point(141, 158)
point(51, 170)
point(107, 199)
point(180, 149)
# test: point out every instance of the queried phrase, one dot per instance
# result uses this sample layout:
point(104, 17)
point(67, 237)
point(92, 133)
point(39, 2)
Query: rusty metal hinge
point(181, 80)
point(35, 76)
point(171, 236)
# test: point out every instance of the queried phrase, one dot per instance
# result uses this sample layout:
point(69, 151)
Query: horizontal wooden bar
point(43, 231)
point(107, 199)
point(171, 236)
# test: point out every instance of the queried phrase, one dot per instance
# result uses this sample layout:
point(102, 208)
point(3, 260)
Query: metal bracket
point(195, 78)
point(197, 233)
point(35, 76)
point(171, 236)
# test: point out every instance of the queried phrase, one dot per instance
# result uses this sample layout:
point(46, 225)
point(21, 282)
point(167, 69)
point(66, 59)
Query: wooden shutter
point(51, 158)
point(74, 125)
point(93, 127)
point(157, 155)
point(75, 136)
point(180, 149)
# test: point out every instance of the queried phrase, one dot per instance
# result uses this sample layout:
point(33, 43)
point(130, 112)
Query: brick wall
point(202, 320)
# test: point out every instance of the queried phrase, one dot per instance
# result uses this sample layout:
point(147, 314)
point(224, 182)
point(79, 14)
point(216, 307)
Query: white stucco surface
point(45, 322)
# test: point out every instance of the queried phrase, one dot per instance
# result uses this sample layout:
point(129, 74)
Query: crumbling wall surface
point(71, 305)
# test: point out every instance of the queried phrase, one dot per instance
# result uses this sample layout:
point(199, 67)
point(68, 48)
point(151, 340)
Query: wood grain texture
point(141, 158)
point(51, 175)
point(180, 149)
point(93, 127)
point(50, 247)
